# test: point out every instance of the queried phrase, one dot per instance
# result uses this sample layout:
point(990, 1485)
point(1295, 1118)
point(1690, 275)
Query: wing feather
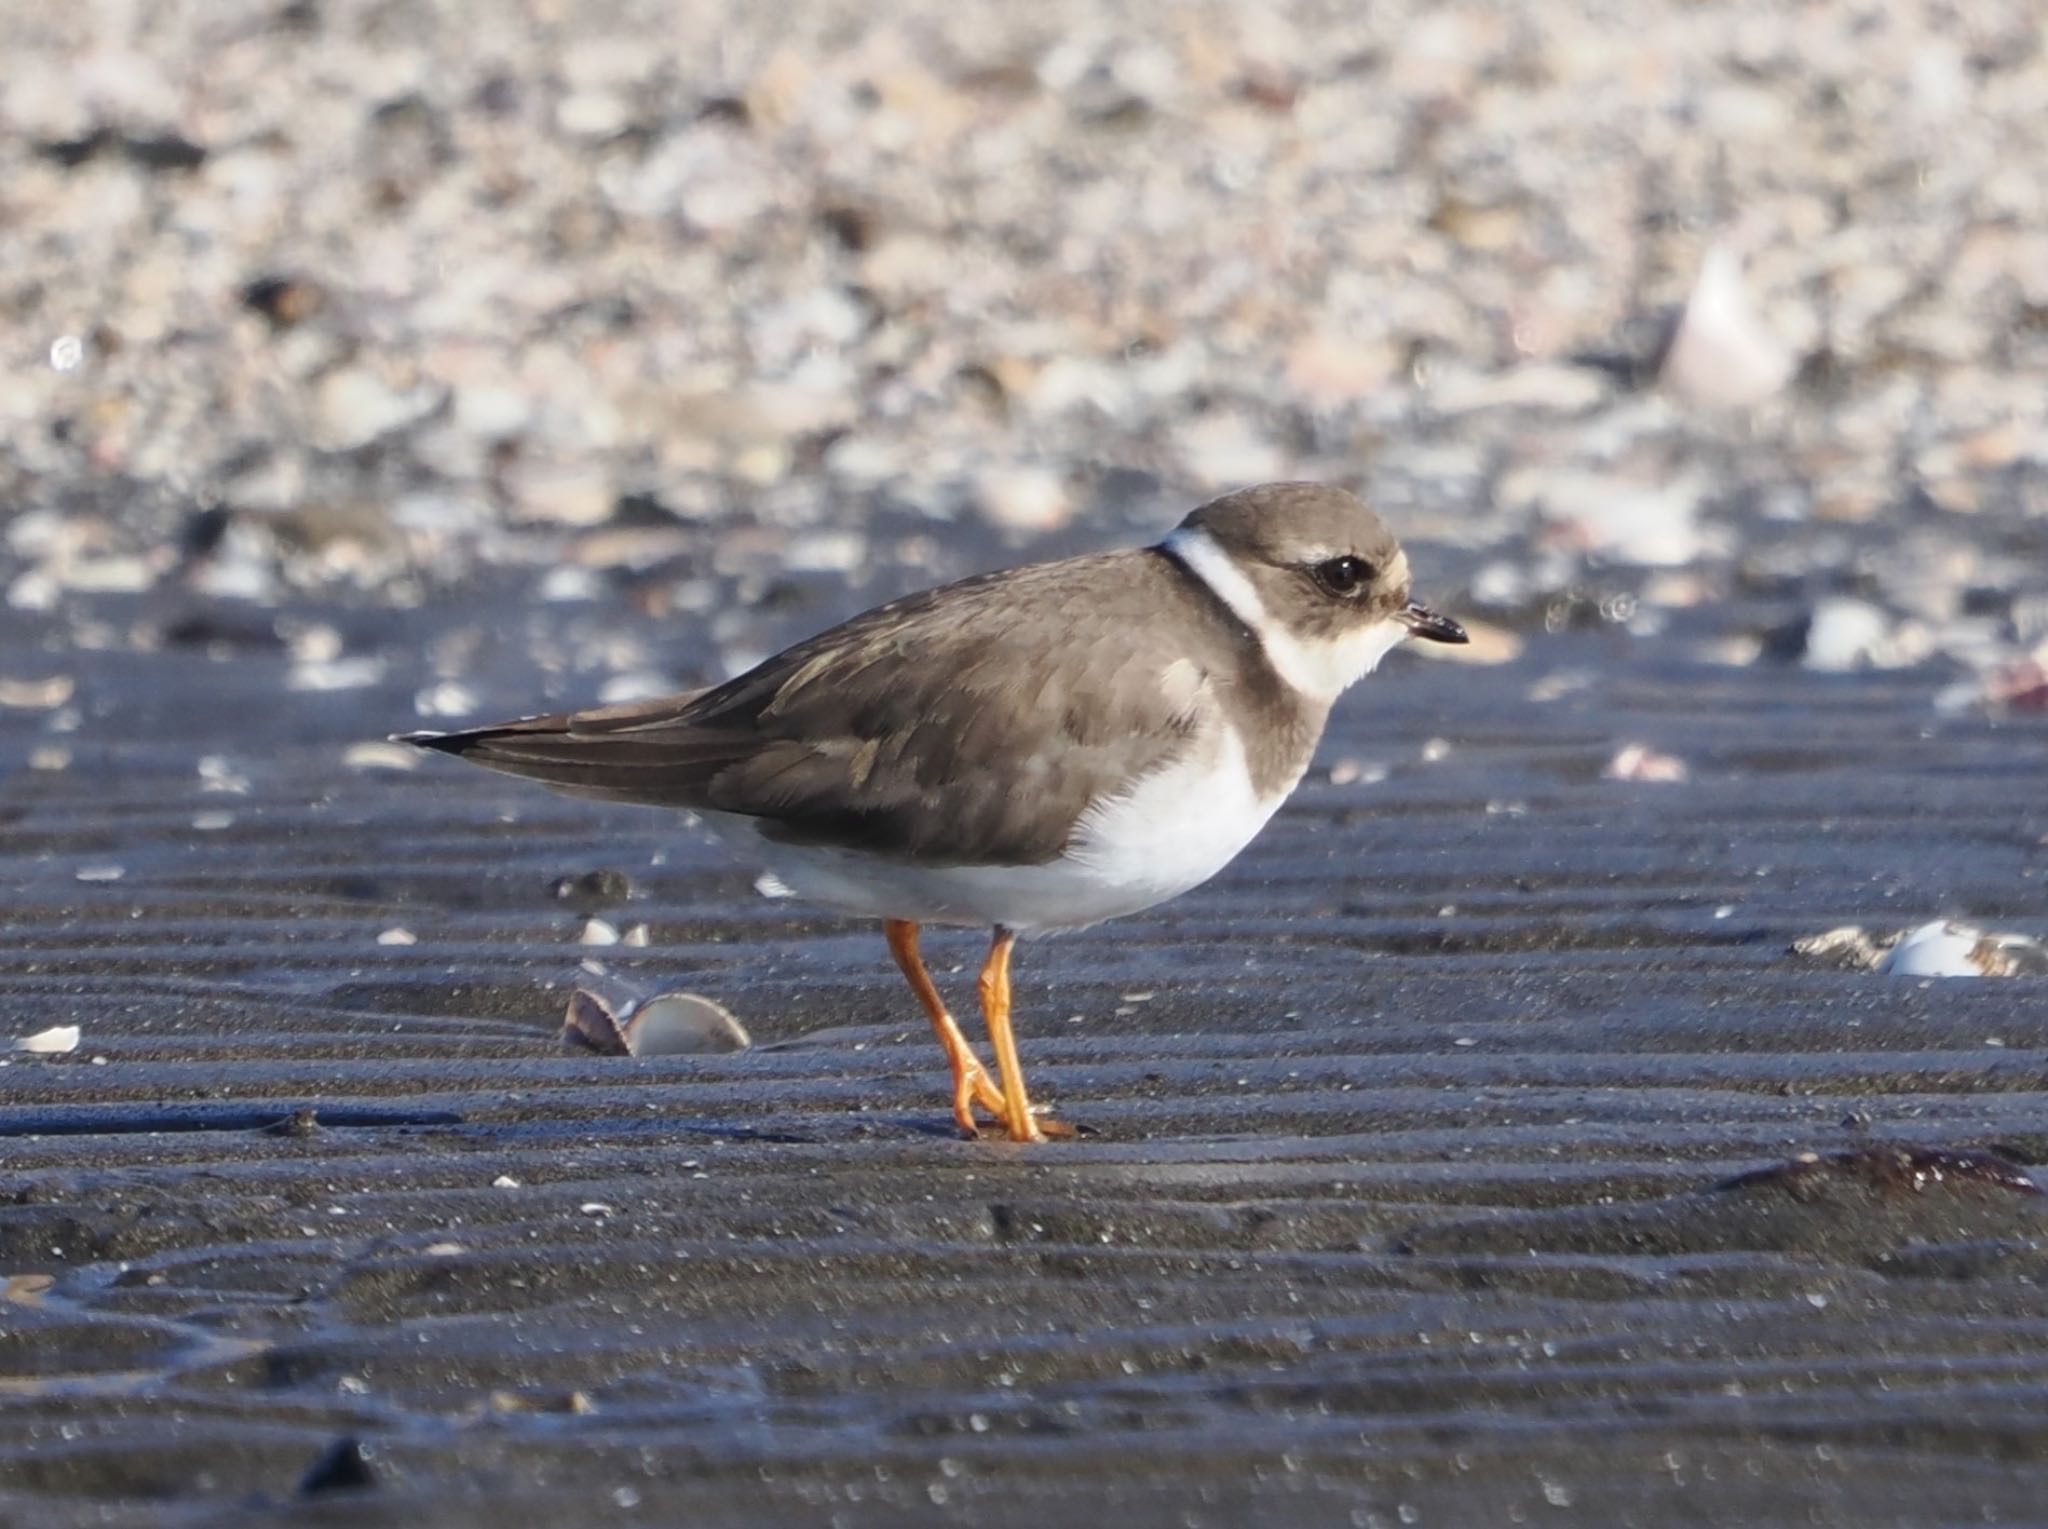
point(943, 727)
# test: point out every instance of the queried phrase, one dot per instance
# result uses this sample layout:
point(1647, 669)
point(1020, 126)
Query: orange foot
point(1021, 1120)
point(1048, 1128)
point(971, 1083)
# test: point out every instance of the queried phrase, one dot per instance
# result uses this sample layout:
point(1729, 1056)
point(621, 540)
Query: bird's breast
point(1174, 828)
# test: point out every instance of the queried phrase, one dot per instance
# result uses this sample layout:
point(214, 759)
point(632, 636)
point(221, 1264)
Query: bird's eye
point(1342, 576)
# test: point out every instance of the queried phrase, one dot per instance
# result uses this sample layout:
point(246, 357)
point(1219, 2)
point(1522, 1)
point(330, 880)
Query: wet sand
point(1441, 1161)
point(1474, 1152)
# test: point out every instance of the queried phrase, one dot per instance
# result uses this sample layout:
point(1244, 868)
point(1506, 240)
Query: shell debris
point(667, 1024)
point(58, 1040)
point(1941, 948)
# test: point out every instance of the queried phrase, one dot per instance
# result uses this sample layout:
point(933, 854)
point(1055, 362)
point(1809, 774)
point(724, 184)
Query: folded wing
point(968, 725)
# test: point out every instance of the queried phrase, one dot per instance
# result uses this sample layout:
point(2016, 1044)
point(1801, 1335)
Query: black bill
point(1423, 622)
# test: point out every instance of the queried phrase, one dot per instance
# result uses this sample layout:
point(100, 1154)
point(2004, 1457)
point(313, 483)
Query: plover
point(1041, 748)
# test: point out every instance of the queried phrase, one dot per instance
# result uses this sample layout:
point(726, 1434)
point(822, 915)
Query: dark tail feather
point(475, 737)
point(662, 772)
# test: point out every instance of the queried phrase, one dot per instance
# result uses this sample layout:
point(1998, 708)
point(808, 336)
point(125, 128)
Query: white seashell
point(449, 698)
point(376, 755)
point(335, 674)
point(1949, 949)
point(640, 685)
point(37, 695)
point(1723, 355)
point(1846, 634)
point(1934, 950)
point(55, 1041)
point(669, 1024)
point(683, 1024)
point(1639, 762)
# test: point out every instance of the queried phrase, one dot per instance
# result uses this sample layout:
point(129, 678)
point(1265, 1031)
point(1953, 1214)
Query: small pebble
point(1639, 762)
point(37, 695)
point(376, 754)
point(449, 698)
point(1847, 634)
point(318, 675)
point(1358, 772)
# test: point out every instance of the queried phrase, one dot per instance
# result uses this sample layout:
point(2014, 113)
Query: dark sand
point(1450, 1174)
point(1406, 1196)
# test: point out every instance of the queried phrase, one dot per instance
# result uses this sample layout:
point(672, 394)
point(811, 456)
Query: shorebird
point(1040, 748)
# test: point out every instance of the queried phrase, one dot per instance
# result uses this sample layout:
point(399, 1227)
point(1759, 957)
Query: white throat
point(1319, 670)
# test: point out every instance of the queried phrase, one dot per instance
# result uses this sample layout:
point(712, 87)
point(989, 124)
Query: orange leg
point(995, 1008)
point(971, 1084)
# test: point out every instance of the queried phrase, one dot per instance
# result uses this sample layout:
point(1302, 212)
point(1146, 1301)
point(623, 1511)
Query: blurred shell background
point(362, 294)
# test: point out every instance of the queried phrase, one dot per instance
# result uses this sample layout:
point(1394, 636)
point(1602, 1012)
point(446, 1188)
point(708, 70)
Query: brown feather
point(972, 724)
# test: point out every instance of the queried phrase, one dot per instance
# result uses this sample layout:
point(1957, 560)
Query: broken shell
point(1943, 948)
point(1949, 949)
point(682, 1024)
point(58, 1040)
point(25, 1289)
point(1848, 946)
point(592, 1024)
point(668, 1024)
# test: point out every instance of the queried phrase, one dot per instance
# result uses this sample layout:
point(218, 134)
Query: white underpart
point(1320, 670)
point(1169, 832)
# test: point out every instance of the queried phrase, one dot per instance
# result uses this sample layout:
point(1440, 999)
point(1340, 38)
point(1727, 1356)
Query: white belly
point(1171, 832)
